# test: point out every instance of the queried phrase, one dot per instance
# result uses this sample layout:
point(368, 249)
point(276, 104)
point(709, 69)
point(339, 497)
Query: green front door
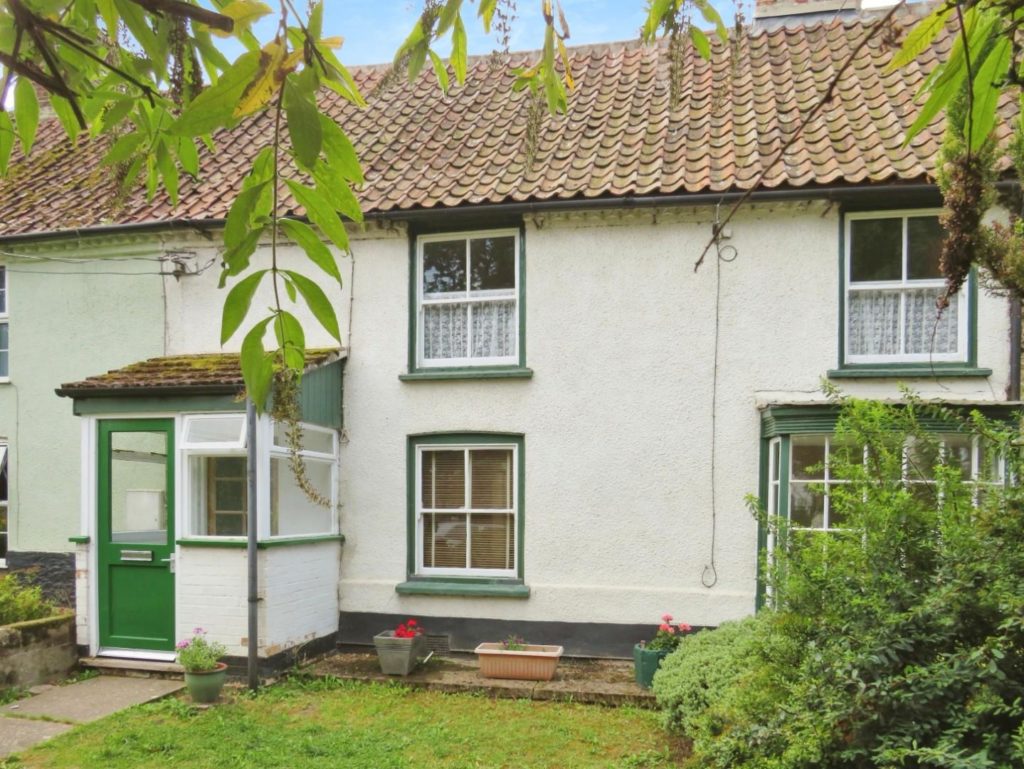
point(136, 534)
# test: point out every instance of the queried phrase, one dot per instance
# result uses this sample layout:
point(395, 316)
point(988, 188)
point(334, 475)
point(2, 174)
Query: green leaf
point(136, 20)
point(449, 14)
point(417, 58)
point(237, 304)
point(920, 37)
point(711, 16)
point(240, 217)
point(115, 113)
point(303, 126)
point(26, 113)
point(440, 70)
point(289, 287)
point(339, 152)
point(236, 258)
point(486, 12)
point(214, 107)
point(315, 25)
point(168, 171)
point(6, 140)
point(124, 148)
point(318, 303)
point(655, 13)
point(310, 242)
point(291, 339)
point(257, 367)
point(321, 213)
point(459, 51)
point(700, 42)
point(986, 88)
point(188, 156)
point(336, 191)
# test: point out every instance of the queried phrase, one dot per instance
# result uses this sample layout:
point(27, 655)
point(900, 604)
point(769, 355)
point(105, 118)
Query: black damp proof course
point(274, 665)
point(581, 639)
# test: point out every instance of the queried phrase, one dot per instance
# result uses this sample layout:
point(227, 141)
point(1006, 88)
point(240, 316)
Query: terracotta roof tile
point(621, 137)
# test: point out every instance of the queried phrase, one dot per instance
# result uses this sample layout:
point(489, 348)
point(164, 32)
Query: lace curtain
point(874, 323)
point(447, 332)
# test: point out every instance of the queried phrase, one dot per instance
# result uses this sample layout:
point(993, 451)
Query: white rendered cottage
point(547, 421)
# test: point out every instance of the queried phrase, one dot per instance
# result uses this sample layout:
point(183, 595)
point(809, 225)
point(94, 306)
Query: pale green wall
point(67, 321)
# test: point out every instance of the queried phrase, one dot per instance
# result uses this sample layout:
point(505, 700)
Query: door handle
point(169, 560)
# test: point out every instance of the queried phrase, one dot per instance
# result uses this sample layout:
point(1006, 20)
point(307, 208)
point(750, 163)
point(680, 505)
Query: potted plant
point(399, 650)
point(515, 658)
point(647, 656)
point(204, 672)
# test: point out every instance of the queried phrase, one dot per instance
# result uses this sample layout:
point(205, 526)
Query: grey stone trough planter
point(37, 651)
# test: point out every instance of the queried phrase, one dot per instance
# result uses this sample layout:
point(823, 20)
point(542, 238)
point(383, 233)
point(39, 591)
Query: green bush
point(20, 602)
point(896, 643)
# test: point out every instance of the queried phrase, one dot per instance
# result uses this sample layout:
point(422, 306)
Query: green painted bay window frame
point(511, 586)
point(968, 367)
point(511, 370)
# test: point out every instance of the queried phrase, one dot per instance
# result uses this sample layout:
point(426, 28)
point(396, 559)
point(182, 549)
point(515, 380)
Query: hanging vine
point(286, 409)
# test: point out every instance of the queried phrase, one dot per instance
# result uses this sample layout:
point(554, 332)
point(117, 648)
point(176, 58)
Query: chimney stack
point(769, 14)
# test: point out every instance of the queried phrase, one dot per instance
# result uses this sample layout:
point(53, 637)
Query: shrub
point(898, 642)
point(20, 602)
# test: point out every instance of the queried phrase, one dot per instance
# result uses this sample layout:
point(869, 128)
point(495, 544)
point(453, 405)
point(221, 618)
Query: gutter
point(150, 392)
point(839, 193)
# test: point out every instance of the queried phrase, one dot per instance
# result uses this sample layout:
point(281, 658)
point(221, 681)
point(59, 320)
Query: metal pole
point(253, 664)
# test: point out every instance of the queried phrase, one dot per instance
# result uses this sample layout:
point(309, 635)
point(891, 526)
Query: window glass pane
point(493, 265)
point(3, 289)
point(841, 453)
point(493, 541)
point(219, 429)
point(990, 466)
point(491, 479)
point(444, 480)
point(874, 323)
point(958, 453)
point(444, 541)
point(806, 507)
point(836, 517)
point(924, 247)
point(494, 329)
point(808, 456)
point(921, 457)
point(445, 331)
point(138, 487)
point(227, 498)
point(309, 440)
point(292, 512)
point(4, 363)
point(444, 267)
point(876, 249)
point(925, 331)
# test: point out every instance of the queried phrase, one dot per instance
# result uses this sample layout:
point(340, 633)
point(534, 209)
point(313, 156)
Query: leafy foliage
point(20, 602)
point(898, 642)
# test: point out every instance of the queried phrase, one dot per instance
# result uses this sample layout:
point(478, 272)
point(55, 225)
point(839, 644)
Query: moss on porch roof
point(213, 372)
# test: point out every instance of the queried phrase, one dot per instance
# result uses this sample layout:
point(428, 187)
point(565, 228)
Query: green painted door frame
point(135, 533)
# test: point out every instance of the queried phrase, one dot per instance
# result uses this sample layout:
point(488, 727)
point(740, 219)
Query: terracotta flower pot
point(205, 685)
point(534, 662)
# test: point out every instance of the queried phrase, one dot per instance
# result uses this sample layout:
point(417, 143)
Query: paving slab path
point(30, 721)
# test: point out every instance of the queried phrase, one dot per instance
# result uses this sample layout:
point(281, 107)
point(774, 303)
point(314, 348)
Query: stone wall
point(37, 651)
point(53, 572)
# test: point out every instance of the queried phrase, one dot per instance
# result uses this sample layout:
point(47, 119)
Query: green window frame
point(900, 295)
point(469, 299)
point(431, 579)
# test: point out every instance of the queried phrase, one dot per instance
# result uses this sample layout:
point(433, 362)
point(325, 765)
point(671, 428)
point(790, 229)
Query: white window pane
point(227, 429)
point(292, 512)
point(808, 457)
point(444, 268)
point(924, 330)
point(309, 440)
point(493, 541)
point(494, 332)
point(219, 496)
point(444, 541)
point(443, 480)
point(492, 263)
point(874, 323)
point(445, 331)
point(876, 249)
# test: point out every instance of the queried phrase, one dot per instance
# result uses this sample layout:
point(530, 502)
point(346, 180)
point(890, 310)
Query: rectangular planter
point(399, 656)
point(534, 663)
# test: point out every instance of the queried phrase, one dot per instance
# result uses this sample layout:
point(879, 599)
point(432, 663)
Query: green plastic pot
point(646, 662)
point(204, 686)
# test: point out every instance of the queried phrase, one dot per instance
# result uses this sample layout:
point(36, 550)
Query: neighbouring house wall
point(76, 308)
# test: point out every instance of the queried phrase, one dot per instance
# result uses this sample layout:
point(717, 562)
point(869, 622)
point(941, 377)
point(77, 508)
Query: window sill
point(917, 371)
point(461, 588)
point(263, 544)
point(427, 375)
point(82, 540)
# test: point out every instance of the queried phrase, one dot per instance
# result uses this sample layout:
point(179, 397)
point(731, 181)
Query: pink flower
point(198, 631)
point(666, 617)
point(683, 627)
point(181, 645)
point(664, 627)
point(671, 630)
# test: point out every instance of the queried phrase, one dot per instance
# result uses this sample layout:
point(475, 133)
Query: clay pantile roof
point(622, 136)
point(215, 372)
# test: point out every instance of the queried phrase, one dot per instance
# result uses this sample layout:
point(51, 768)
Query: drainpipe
point(253, 663)
point(1013, 389)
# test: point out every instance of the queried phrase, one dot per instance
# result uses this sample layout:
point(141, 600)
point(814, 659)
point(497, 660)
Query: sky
point(373, 29)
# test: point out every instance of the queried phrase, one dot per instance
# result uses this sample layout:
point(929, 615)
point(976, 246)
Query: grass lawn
point(297, 724)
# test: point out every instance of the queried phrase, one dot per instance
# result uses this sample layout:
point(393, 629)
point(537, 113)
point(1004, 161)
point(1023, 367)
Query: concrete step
point(116, 666)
